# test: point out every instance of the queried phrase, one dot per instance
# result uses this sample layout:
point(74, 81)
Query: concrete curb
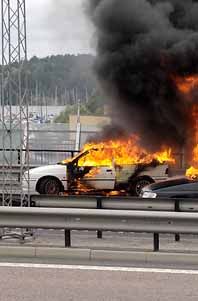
point(28, 252)
point(62, 253)
point(92, 255)
point(143, 257)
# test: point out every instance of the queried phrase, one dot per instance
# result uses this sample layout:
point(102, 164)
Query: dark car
point(172, 188)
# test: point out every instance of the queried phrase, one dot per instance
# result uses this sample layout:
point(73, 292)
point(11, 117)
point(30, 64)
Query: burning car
point(114, 168)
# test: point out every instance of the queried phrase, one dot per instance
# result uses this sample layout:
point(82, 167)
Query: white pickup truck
point(72, 177)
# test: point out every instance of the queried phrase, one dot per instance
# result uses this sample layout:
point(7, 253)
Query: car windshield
point(91, 157)
point(69, 160)
point(84, 158)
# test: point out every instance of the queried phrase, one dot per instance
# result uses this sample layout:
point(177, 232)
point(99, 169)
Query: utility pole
point(78, 128)
point(86, 95)
point(56, 96)
point(14, 92)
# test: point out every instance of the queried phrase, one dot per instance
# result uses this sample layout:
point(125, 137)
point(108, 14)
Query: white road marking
point(97, 268)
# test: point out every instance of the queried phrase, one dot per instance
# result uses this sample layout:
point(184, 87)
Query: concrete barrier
point(93, 256)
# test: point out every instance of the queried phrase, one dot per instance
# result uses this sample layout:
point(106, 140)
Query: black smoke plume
point(142, 46)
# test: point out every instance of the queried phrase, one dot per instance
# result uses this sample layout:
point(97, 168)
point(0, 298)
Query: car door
point(95, 175)
point(100, 178)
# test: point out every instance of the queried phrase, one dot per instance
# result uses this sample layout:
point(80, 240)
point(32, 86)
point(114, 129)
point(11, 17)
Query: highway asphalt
point(45, 278)
point(29, 282)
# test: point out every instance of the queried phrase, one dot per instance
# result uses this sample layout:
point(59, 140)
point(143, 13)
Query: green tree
point(94, 106)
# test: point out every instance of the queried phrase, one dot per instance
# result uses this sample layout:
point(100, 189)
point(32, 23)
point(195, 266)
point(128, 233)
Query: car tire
point(136, 186)
point(50, 186)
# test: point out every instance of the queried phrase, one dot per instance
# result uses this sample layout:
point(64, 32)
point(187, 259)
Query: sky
point(58, 27)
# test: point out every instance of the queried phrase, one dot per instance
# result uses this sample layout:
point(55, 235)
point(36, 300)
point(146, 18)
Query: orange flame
point(122, 152)
point(187, 84)
point(93, 172)
point(192, 172)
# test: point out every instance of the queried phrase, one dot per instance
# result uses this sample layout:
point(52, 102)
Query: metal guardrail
point(92, 219)
point(116, 203)
point(106, 220)
point(67, 153)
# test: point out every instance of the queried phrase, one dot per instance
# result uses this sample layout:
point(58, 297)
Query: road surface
point(41, 282)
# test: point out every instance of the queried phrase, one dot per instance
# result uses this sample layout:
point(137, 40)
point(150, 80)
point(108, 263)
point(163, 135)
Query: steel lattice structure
point(14, 92)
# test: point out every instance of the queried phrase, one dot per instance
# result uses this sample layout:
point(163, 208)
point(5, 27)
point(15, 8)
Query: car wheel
point(49, 186)
point(137, 185)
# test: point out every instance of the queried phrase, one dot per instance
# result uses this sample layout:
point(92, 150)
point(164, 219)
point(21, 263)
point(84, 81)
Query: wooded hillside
point(61, 79)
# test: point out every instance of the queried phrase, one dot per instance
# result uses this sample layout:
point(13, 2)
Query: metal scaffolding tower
point(14, 100)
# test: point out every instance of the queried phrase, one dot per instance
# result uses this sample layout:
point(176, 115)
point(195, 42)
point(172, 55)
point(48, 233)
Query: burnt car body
point(73, 176)
point(128, 177)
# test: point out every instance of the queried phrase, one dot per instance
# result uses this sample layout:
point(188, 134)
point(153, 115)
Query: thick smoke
point(142, 46)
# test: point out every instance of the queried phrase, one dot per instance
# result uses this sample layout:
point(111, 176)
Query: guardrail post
point(67, 238)
point(99, 206)
point(177, 209)
point(19, 156)
point(156, 242)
